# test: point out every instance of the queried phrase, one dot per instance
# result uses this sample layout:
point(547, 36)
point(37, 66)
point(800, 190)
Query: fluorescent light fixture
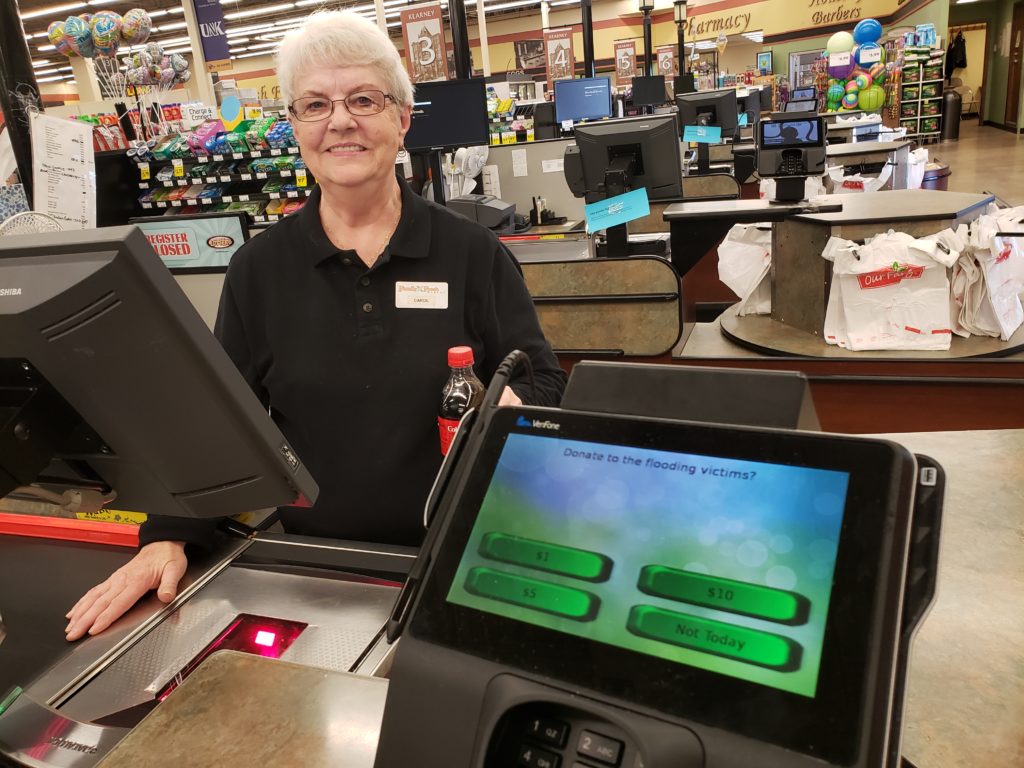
point(157, 14)
point(264, 11)
point(174, 25)
point(965, 2)
point(46, 71)
point(64, 69)
point(565, 2)
point(254, 46)
point(237, 50)
point(174, 40)
point(177, 9)
point(46, 48)
point(40, 63)
point(185, 49)
point(51, 10)
point(249, 55)
point(102, 2)
point(53, 79)
point(250, 28)
point(507, 6)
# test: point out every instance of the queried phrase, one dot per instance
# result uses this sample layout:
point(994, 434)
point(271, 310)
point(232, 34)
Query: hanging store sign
point(213, 35)
point(625, 61)
point(775, 17)
point(558, 53)
point(666, 57)
point(425, 50)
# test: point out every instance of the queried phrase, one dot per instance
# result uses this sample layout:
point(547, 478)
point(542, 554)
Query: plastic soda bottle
point(462, 392)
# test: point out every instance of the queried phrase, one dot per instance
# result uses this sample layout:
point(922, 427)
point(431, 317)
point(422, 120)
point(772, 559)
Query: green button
point(724, 594)
point(530, 593)
point(554, 558)
point(715, 637)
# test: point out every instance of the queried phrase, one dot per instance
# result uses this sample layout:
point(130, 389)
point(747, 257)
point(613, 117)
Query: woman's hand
point(508, 397)
point(159, 565)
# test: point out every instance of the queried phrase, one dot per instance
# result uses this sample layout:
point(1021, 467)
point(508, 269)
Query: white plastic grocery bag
point(744, 260)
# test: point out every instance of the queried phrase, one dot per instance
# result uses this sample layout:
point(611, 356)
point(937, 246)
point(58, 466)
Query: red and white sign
point(666, 56)
point(426, 54)
point(558, 54)
point(625, 61)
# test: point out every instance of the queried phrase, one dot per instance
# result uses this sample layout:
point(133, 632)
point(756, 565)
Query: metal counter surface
point(238, 711)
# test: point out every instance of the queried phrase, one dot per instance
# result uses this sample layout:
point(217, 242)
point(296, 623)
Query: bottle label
point(447, 429)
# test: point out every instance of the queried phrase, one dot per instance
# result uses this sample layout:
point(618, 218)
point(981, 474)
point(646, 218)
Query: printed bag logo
point(882, 278)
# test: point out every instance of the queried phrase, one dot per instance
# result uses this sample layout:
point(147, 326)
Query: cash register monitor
point(737, 579)
point(802, 94)
point(649, 91)
point(750, 105)
point(709, 108)
point(791, 146)
point(449, 114)
point(802, 105)
point(615, 156)
point(111, 381)
point(589, 98)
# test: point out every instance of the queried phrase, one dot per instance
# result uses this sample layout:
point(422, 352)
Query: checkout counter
point(522, 639)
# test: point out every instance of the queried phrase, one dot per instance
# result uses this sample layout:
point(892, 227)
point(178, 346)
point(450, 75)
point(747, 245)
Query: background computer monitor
point(801, 94)
point(109, 379)
point(449, 114)
point(683, 84)
point(200, 243)
point(750, 105)
point(714, 108)
point(651, 143)
point(806, 105)
point(649, 91)
point(588, 98)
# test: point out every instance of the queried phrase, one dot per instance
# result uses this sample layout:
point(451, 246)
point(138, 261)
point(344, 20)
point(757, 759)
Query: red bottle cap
point(460, 357)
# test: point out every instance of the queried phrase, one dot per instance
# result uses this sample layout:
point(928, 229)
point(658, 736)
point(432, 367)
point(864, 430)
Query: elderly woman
point(314, 314)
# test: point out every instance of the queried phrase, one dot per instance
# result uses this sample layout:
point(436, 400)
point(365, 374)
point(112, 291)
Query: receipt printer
point(488, 210)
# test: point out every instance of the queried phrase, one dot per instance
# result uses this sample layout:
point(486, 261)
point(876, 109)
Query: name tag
point(421, 295)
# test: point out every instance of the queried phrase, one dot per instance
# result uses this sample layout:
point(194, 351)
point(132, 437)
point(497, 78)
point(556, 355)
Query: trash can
point(951, 106)
point(936, 176)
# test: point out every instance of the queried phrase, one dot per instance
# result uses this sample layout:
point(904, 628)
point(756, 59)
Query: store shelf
point(219, 158)
point(233, 198)
point(187, 181)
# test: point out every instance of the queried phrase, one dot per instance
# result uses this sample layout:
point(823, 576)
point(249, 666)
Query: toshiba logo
point(10, 291)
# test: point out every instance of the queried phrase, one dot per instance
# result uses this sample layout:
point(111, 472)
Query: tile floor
point(984, 159)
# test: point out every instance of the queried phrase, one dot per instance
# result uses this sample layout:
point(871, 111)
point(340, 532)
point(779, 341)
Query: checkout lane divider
point(67, 529)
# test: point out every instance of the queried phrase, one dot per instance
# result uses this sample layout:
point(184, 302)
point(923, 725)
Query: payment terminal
point(609, 591)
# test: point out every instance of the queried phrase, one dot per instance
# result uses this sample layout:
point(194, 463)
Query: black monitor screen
point(586, 99)
point(807, 105)
point(801, 94)
point(448, 114)
point(712, 108)
point(649, 91)
point(115, 383)
point(779, 134)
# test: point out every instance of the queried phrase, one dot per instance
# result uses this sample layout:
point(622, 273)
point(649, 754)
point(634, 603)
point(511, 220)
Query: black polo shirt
point(351, 360)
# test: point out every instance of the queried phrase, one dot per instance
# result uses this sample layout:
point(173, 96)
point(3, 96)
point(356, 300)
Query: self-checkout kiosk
point(791, 148)
point(610, 590)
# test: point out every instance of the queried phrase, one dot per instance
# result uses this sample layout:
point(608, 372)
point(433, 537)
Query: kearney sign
point(776, 17)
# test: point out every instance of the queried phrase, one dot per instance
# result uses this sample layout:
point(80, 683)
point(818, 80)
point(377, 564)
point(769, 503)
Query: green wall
point(998, 14)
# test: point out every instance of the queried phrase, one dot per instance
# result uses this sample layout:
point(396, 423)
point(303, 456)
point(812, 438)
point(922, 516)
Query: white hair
point(341, 39)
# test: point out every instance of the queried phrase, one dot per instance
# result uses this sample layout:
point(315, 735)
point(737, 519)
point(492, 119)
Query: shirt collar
point(410, 240)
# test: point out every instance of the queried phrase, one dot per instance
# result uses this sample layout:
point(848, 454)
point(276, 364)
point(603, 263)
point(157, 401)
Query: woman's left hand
point(508, 397)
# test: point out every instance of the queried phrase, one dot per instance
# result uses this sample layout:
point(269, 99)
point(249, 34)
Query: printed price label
point(839, 59)
point(870, 55)
point(275, 152)
point(179, 168)
point(236, 155)
point(243, 198)
point(253, 113)
point(205, 200)
point(144, 171)
point(147, 206)
point(261, 175)
point(293, 193)
point(211, 179)
point(183, 182)
point(218, 158)
point(275, 195)
point(176, 203)
point(246, 177)
point(285, 172)
point(225, 178)
point(300, 177)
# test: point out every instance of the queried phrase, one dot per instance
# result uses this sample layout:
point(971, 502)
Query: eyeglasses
point(309, 109)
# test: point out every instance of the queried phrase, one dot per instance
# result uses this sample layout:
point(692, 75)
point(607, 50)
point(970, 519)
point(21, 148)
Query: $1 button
point(367, 307)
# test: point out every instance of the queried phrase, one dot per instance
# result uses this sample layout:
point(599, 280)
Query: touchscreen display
point(720, 564)
point(790, 133)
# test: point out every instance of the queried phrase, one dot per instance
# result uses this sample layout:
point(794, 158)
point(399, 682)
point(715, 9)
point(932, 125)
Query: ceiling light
point(265, 10)
point(46, 48)
point(237, 50)
point(50, 10)
point(46, 71)
point(248, 55)
point(52, 79)
point(153, 14)
point(101, 2)
point(174, 25)
point(264, 45)
point(250, 28)
point(564, 2)
point(178, 9)
point(506, 6)
point(40, 63)
point(64, 69)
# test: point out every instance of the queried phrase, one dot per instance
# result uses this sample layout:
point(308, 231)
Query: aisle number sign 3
point(423, 33)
